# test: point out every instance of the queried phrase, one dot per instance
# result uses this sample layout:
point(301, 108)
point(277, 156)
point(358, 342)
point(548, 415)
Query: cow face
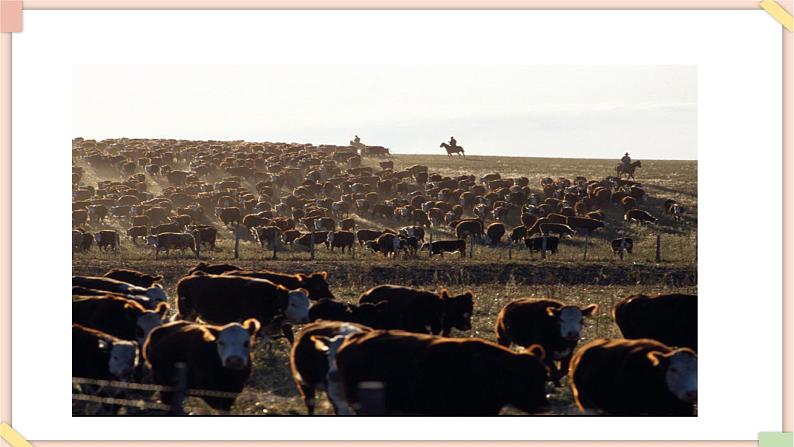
point(316, 284)
point(681, 372)
point(149, 320)
point(233, 342)
point(297, 310)
point(151, 240)
point(570, 320)
point(122, 357)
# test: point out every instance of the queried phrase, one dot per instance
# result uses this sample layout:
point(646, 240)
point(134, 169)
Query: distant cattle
point(536, 243)
point(450, 246)
point(266, 236)
point(107, 240)
point(172, 241)
point(626, 242)
point(674, 209)
point(310, 365)
point(435, 376)
point(549, 323)
point(584, 225)
point(204, 235)
point(97, 355)
point(364, 236)
point(120, 317)
point(468, 228)
point(561, 230)
point(671, 319)
point(219, 299)
point(639, 216)
point(494, 233)
point(218, 358)
point(213, 269)
point(635, 378)
point(341, 239)
point(229, 215)
point(137, 232)
point(172, 227)
point(422, 311)
point(133, 277)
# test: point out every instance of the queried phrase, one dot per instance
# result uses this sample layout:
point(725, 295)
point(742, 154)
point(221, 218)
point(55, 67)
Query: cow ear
point(590, 310)
point(323, 275)
point(655, 357)
point(161, 309)
point(252, 325)
point(552, 311)
point(537, 351)
point(157, 278)
point(321, 342)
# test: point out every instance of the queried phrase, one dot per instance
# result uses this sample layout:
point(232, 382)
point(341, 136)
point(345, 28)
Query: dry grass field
point(494, 274)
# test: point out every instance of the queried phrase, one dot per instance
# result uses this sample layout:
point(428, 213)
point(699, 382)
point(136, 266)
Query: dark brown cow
point(229, 215)
point(309, 365)
point(266, 235)
point(342, 239)
point(218, 358)
point(628, 244)
point(639, 216)
point(422, 311)
point(635, 378)
point(427, 375)
point(554, 325)
point(172, 241)
point(584, 224)
point(671, 319)
point(119, 317)
point(97, 355)
point(468, 228)
point(172, 227)
point(135, 232)
point(450, 246)
point(367, 235)
point(133, 277)
point(219, 299)
point(204, 235)
point(107, 240)
point(155, 294)
point(494, 233)
point(316, 283)
point(536, 244)
point(553, 228)
point(213, 269)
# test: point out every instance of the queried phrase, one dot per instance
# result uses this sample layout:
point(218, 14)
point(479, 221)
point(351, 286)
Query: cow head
point(151, 240)
point(316, 284)
point(458, 310)
point(570, 319)
point(297, 310)
point(122, 357)
point(233, 342)
point(149, 320)
point(680, 368)
point(330, 238)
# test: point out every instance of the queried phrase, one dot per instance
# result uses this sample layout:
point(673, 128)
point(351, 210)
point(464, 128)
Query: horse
point(453, 150)
point(628, 170)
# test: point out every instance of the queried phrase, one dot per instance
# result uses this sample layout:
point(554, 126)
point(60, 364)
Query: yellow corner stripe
point(12, 437)
point(780, 14)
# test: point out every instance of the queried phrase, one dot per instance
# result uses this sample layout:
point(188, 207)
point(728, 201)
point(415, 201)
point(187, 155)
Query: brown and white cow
point(635, 378)
point(218, 358)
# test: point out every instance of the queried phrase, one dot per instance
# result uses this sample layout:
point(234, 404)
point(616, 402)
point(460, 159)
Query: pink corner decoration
point(10, 16)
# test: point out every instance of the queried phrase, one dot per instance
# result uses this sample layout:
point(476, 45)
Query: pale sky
point(598, 111)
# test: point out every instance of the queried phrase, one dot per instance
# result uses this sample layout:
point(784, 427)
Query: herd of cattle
point(124, 330)
point(304, 195)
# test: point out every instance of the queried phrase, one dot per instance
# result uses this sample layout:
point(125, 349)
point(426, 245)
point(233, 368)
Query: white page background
point(738, 54)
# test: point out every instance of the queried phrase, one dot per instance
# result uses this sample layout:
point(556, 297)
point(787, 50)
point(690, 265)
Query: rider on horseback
point(626, 160)
point(357, 140)
point(453, 142)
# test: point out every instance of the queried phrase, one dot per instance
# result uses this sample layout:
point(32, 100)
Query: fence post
point(311, 244)
point(622, 246)
point(237, 241)
point(510, 250)
point(180, 388)
point(198, 244)
point(543, 248)
point(658, 248)
point(371, 398)
point(471, 247)
point(586, 239)
point(275, 237)
point(430, 244)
